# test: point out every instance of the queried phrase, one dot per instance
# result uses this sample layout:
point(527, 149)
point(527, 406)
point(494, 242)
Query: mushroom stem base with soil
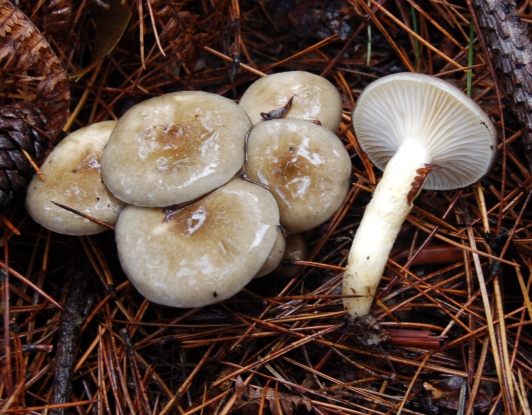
point(381, 223)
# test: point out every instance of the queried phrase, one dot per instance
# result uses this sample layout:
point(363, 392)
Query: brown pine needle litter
point(451, 329)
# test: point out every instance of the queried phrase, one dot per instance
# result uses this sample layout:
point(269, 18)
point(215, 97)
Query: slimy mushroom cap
point(296, 250)
point(72, 172)
point(304, 165)
point(175, 148)
point(275, 257)
point(315, 98)
point(200, 254)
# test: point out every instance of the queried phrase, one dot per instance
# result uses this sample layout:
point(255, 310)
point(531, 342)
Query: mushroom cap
point(72, 172)
point(316, 98)
point(202, 253)
point(276, 254)
point(296, 250)
point(304, 165)
point(454, 129)
point(175, 148)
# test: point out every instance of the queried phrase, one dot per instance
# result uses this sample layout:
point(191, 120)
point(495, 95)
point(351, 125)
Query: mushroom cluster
point(190, 229)
point(298, 158)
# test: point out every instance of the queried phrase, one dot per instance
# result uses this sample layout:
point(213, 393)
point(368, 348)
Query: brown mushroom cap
point(315, 98)
point(72, 172)
point(200, 254)
point(305, 166)
point(175, 148)
point(296, 250)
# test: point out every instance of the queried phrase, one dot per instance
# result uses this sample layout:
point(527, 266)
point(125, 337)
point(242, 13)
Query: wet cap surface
point(175, 148)
point(305, 166)
point(72, 172)
point(315, 98)
point(275, 256)
point(203, 253)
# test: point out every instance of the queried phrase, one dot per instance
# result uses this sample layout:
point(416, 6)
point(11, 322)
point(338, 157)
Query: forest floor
point(451, 329)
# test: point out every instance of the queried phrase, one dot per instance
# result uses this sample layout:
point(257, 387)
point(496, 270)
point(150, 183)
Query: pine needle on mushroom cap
point(314, 98)
point(72, 172)
point(200, 254)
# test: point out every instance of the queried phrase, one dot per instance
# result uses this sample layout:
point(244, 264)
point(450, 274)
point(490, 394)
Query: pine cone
point(19, 129)
point(32, 126)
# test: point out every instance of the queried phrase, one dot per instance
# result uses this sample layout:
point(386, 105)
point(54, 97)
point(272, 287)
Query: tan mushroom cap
point(200, 254)
point(305, 166)
point(72, 172)
point(276, 254)
point(175, 148)
point(316, 98)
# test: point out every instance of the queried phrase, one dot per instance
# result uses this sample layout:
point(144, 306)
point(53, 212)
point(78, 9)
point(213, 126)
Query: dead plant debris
point(450, 331)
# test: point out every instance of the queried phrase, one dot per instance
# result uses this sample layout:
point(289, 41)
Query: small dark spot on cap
point(215, 294)
point(98, 198)
point(74, 171)
point(367, 258)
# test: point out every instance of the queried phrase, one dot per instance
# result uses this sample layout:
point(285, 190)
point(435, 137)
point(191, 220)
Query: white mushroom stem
point(380, 226)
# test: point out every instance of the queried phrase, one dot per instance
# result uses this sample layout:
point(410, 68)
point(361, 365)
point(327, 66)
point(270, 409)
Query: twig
point(77, 305)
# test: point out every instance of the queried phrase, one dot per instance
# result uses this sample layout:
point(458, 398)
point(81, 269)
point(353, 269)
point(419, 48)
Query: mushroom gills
point(423, 132)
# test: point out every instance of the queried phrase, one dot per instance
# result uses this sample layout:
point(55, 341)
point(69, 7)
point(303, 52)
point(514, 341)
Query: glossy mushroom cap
point(276, 254)
point(458, 135)
point(72, 172)
point(296, 250)
point(304, 165)
point(315, 98)
point(200, 254)
point(175, 148)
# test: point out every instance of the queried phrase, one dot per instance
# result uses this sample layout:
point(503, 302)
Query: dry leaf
point(111, 23)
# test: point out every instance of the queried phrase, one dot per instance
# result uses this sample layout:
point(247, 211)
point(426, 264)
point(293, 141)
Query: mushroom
point(296, 250)
point(202, 253)
point(72, 172)
point(423, 132)
point(304, 165)
point(175, 148)
point(276, 254)
point(315, 98)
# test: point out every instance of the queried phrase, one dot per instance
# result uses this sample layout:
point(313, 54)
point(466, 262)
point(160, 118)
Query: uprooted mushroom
point(424, 133)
